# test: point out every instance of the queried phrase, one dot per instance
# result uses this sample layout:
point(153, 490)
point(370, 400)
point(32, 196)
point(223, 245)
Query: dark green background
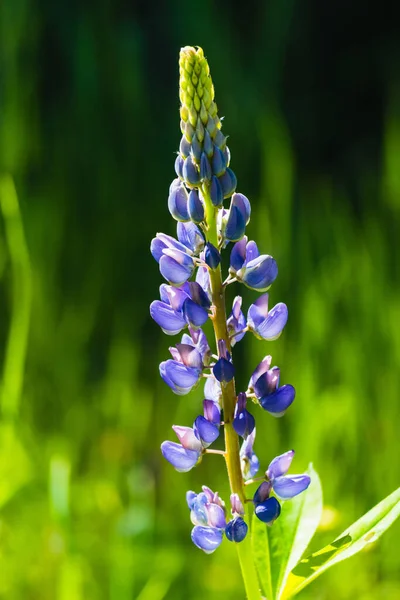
point(88, 129)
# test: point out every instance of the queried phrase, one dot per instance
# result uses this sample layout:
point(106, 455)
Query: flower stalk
point(195, 293)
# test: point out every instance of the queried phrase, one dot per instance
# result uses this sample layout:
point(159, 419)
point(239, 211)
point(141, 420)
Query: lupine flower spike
point(194, 292)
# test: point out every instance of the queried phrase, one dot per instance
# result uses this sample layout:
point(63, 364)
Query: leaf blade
point(365, 530)
point(283, 544)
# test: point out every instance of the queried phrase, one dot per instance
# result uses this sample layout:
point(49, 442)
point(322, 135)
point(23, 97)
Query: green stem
point(232, 456)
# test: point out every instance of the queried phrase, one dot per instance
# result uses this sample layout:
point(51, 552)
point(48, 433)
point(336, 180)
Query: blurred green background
point(88, 129)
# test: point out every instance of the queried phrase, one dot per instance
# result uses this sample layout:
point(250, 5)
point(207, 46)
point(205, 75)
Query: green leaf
point(277, 549)
point(363, 532)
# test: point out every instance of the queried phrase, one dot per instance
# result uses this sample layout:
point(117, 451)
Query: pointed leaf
point(364, 531)
point(277, 549)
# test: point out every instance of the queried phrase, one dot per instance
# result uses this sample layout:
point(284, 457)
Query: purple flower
point(248, 460)
point(183, 372)
point(286, 486)
point(243, 422)
point(198, 339)
point(266, 324)
point(179, 307)
point(273, 399)
point(205, 431)
point(183, 456)
point(206, 538)
point(256, 271)
point(260, 369)
point(161, 242)
point(207, 513)
point(267, 508)
point(182, 459)
point(236, 322)
point(176, 266)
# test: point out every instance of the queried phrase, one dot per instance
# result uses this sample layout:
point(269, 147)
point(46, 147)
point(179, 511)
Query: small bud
point(228, 182)
point(212, 256)
point(178, 202)
point(218, 162)
point(216, 192)
point(236, 530)
point(195, 207)
point(268, 511)
point(190, 173)
point(205, 168)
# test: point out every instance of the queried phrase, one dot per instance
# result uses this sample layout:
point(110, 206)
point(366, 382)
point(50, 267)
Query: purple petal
point(224, 370)
point(212, 412)
point(260, 369)
point(244, 423)
point(190, 356)
point(267, 383)
point(180, 378)
point(190, 236)
point(170, 321)
point(271, 328)
point(268, 511)
point(182, 459)
point(198, 295)
point(187, 438)
point(258, 311)
point(279, 401)
point(280, 465)
point(263, 492)
point(243, 205)
point(195, 315)
point(203, 279)
point(175, 272)
point(178, 201)
point(236, 225)
point(190, 498)
point(289, 486)
point(259, 273)
point(216, 516)
point(251, 251)
point(238, 254)
point(212, 389)
point(236, 505)
point(206, 538)
point(206, 432)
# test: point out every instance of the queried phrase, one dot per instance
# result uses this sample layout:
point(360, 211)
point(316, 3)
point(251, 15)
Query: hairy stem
point(232, 456)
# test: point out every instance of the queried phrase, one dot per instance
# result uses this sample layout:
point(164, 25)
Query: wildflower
point(180, 307)
point(183, 372)
point(207, 513)
point(267, 508)
point(272, 398)
point(265, 324)
point(256, 271)
point(239, 216)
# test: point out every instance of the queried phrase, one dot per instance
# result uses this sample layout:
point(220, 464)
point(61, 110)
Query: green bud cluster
point(196, 93)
